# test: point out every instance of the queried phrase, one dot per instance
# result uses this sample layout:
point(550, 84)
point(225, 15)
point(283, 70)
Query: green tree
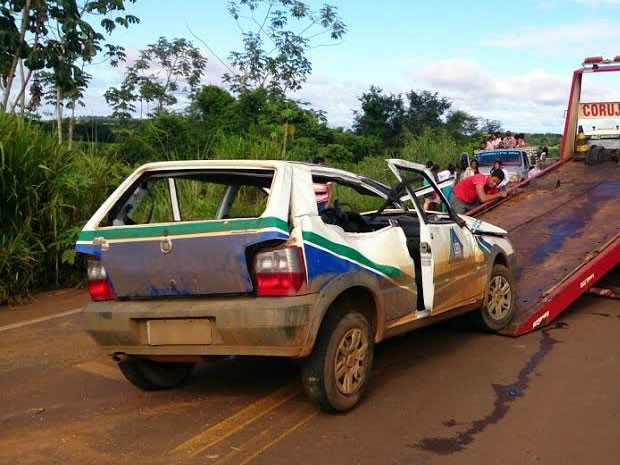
point(424, 110)
point(54, 35)
point(489, 126)
point(162, 71)
point(215, 107)
point(122, 99)
point(381, 116)
point(276, 37)
point(461, 125)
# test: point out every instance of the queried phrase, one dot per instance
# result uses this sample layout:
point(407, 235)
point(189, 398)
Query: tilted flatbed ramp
point(565, 228)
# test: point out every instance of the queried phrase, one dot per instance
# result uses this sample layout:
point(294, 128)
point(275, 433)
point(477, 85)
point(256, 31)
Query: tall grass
point(433, 145)
point(47, 192)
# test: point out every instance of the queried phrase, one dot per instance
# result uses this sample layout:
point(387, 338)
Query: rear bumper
point(276, 326)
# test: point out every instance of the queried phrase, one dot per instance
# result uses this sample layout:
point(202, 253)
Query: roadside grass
point(48, 192)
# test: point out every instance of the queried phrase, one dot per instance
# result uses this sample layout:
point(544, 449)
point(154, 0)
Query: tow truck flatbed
point(564, 223)
point(565, 227)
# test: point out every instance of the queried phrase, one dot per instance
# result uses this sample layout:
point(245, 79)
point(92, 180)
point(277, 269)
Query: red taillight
point(279, 272)
point(99, 286)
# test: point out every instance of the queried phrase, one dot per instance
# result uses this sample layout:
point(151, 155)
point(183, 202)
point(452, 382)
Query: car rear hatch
point(188, 228)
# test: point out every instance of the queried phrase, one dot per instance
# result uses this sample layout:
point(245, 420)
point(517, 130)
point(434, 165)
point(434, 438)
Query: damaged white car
point(194, 259)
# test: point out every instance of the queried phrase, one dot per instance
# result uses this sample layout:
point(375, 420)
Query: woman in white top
point(471, 169)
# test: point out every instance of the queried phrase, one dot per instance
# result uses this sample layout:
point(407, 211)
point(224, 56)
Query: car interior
point(352, 218)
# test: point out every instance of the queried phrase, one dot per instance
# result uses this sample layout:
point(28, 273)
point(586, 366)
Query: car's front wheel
point(149, 375)
point(337, 372)
point(500, 303)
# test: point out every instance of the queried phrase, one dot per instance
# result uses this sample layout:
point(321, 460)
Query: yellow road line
point(296, 426)
point(38, 320)
point(100, 369)
point(238, 421)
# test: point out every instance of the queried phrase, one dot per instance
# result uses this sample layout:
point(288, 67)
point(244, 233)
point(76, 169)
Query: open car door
point(451, 274)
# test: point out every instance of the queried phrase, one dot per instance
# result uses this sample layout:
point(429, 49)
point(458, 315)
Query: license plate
point(179, 332)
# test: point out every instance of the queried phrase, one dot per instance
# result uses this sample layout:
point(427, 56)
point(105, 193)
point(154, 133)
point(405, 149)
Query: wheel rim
point(499, 298)
point(351, 361)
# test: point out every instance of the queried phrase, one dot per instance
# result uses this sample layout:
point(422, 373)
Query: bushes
point(47, 192)
point(435, 145)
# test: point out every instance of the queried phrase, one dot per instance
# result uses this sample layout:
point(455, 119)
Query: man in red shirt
point(476, 189)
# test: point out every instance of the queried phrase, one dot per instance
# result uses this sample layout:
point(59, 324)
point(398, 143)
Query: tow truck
point(564, 222)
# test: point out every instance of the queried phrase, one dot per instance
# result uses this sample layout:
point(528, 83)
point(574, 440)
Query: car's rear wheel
point(337, 372)
point(500, 303)
point(149, 375)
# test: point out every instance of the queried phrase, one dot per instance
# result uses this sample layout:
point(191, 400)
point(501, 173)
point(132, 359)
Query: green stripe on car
point(182, 229)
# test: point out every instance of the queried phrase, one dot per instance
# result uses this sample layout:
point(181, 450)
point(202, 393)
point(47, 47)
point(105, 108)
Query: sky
point(510, 61)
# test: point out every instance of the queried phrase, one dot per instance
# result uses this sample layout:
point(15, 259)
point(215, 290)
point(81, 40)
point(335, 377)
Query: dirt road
point(444, 395)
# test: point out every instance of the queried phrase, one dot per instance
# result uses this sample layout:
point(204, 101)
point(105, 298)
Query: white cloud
point(532, 101)
point(592, 37)
point(339, 98)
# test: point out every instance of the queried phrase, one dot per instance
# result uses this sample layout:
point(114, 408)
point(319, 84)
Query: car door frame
point(451, 293)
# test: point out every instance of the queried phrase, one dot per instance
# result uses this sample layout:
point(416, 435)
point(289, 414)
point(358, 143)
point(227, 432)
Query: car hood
point(477, 226)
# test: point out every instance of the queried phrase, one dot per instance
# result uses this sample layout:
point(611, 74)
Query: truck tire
point(335, 375)
point(150, 376)
point(594, 155)
point(500, 302)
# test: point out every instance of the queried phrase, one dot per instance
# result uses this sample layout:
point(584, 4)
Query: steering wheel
point(386, 204)
point(392, 198)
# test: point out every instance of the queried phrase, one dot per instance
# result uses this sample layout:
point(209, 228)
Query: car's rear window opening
point(192, 195)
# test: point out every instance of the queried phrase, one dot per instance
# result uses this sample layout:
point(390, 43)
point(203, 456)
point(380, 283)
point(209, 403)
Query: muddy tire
point(500, 301)
point(150, 376)
point(337, 372)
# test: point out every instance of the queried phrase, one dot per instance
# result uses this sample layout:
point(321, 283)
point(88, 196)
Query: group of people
point(496, 141)
point(473, 189)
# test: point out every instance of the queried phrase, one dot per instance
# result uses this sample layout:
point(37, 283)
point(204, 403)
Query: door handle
point(425, 247)
point(165, 245)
